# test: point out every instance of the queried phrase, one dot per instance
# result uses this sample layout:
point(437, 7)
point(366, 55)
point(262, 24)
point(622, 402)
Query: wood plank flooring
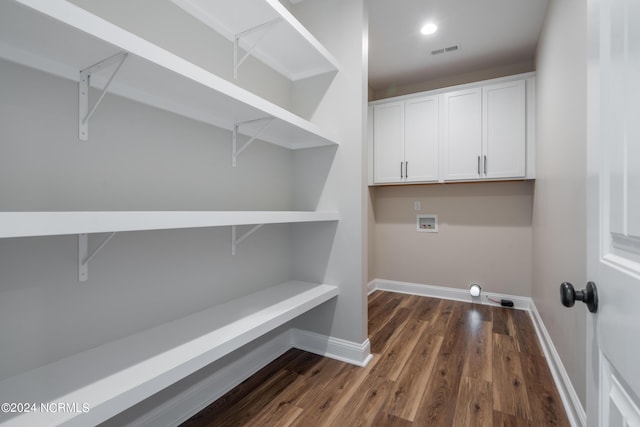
point(436, 363)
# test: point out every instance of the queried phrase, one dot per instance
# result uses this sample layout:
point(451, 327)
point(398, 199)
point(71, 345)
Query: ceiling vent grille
point(449, 49)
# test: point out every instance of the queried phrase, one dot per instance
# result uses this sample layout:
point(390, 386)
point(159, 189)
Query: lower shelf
point(104, 381)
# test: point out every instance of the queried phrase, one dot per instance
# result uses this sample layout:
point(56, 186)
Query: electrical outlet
point(417, 206)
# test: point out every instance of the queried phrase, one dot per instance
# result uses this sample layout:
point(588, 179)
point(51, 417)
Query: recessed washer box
point(427, 223)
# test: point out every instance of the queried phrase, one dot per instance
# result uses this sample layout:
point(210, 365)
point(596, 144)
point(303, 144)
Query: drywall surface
point(337, 103)
point(453, 80)
point(484, 235)
point(559, 219)
point(137, 158)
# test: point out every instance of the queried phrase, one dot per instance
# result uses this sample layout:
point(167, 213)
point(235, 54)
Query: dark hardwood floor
point(436, 363)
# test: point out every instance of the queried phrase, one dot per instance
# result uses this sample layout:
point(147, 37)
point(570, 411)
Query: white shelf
point(60, 38)
point(26, 224)
point(114, 376)
point(286, 46)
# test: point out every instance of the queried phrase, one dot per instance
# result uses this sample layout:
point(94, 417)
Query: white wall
point(559, 220)
point(484, 235)
point(137, 158)
point(339, 104)
point(168, 26)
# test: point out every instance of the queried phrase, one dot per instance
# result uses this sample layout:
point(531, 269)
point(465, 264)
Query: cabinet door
point(462, 134)
point(504, 130)
point(388, 139)
point(421, 139)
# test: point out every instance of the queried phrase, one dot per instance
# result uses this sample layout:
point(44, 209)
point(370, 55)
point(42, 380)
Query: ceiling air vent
point(446, 50)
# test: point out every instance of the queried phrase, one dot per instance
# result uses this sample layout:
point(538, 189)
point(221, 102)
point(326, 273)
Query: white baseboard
point(334, 348)
point(571, 402)
point(522, 303)
point(573, 407)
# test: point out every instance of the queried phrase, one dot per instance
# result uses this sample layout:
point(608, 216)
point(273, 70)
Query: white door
point(388, 142)
point(462, 134)
point(421, 140)
point(504, 130)
point(613, 213)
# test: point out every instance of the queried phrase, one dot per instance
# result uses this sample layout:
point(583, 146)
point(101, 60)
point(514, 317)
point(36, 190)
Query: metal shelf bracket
point(235, 241)
point(84, 112)
point(236, 151)
point(236, 43)
point(83, 254)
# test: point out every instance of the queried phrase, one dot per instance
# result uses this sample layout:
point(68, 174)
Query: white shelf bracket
point(84, 112)
point(235, 241)
point(235, 150)
point(83, 254)
point(236, 43)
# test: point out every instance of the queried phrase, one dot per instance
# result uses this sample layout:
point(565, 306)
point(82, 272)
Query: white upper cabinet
point(388, 135)
point(421, 140)
point(267, 30)
point(479, 131)
point(462, 134)
point(504, 130)
point(405, 141)
point(485, 132)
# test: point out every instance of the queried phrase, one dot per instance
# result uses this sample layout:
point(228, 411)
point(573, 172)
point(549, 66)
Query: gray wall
point(339, 104)
point(484, 235)
point(454, 79)
point(559, 220)
point(137, 158)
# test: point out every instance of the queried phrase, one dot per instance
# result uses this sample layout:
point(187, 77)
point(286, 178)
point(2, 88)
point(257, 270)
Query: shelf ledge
point(266, 29)
point(31, 224)
point(115, 376)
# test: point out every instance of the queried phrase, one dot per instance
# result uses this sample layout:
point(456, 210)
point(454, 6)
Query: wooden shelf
point(69, 39)
point(283, 43)
point(114, 376)
point(26, 224)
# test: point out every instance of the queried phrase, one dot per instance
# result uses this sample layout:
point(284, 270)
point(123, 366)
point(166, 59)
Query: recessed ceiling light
point(429, 28)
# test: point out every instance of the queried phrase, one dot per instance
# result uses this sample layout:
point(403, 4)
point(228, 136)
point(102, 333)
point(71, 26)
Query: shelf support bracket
point(83, 254)
point(236, 151)
point(235, 241)
point(236, 43)
point(84, 112)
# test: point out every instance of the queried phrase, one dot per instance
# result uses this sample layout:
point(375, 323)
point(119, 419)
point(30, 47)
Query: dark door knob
point(589, 296)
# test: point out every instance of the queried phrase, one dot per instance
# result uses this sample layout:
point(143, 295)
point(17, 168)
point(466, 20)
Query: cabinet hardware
point(401, 175)
point(406, 169)
point(485, 165)
point(478, 165)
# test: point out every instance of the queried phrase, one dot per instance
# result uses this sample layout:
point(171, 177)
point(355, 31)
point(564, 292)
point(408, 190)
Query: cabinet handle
point(401, 175)
point(485, 165)
point(406, 170)
point(478, 165)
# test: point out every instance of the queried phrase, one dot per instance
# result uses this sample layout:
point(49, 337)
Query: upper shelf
point(27, 224)
point(286, 46)
point(60, 38)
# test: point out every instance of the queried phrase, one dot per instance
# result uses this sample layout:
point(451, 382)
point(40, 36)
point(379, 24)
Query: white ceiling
point(490, 32)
